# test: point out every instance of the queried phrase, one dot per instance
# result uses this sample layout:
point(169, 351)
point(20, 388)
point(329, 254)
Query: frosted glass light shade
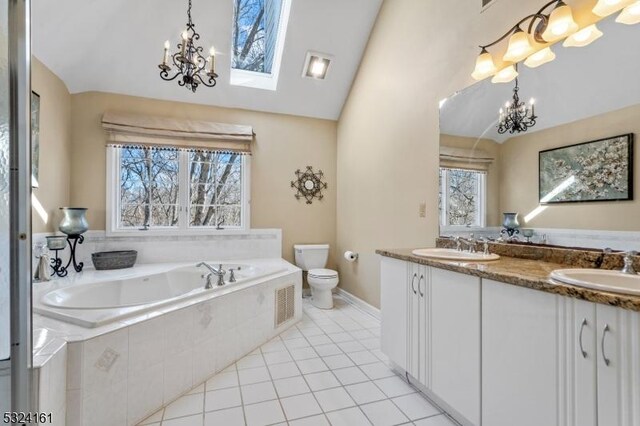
point(561, 23)
point(519, 47)
point(485, 67)
point(630, 15)
point(607, 7)
point(505, 75)
point(541, 57)
point(583, 37)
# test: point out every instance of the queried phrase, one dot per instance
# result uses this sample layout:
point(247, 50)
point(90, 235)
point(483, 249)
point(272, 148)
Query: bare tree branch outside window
point(255, 32)
point(463, 197)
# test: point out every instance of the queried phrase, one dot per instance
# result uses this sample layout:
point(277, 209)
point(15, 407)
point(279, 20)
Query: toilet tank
point(311, 256)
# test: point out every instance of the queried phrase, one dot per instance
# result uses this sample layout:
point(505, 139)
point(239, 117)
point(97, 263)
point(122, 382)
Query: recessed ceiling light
point(316, 65)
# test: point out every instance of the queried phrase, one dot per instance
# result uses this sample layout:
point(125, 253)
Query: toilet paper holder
point(350, 256)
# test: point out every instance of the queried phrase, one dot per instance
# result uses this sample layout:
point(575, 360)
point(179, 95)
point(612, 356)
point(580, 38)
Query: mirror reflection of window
point(462, 197)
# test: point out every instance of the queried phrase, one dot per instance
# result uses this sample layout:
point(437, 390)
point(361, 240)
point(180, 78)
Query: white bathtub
point(97, 298)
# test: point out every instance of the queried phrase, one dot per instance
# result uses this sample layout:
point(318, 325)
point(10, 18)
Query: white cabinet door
point(520, 356)
point(393, 309)
point(418, 323)
point(455, 341)
point(618, 344)
point(424, 325)
point(577, 375)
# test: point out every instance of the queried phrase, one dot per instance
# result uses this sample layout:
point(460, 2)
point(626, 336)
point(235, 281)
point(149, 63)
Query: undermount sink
point(599, 279)
point(451, 254)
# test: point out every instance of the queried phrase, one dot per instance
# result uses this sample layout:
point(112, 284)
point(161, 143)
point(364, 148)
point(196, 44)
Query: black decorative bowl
point(114, 259)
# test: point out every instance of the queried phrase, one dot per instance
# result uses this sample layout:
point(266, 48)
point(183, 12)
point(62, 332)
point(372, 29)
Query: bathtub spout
point(217, 272)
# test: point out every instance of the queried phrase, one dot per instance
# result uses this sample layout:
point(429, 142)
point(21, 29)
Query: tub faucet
point(628, 263)
point(213, 271)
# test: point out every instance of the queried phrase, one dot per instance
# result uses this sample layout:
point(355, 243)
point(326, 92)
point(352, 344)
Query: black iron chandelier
point(192, 68)
point(517, 116)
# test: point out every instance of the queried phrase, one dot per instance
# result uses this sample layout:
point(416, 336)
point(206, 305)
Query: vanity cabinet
point(394, 296)
point(455, 341)
point(520, 356)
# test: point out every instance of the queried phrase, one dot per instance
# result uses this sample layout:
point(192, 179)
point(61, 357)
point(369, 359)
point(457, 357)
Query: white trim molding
point(358, 303)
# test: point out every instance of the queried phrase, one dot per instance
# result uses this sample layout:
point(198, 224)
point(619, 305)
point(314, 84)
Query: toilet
point(313, 259)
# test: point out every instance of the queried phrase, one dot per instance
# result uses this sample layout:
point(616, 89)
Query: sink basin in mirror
point(599, 279)
point(585, 108)
point(450, 254)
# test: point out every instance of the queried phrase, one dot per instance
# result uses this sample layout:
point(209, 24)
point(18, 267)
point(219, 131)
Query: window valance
point(463, 158)
point(124, 128)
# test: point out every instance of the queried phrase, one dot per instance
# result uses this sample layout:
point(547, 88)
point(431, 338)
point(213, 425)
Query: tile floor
point(326, 370)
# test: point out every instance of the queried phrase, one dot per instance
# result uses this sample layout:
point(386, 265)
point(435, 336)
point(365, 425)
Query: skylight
point(259, 29)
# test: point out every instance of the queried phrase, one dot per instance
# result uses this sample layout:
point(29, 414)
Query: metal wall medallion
point(309, 184)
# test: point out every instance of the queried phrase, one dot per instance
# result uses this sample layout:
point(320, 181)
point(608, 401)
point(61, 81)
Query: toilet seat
point(323, 273)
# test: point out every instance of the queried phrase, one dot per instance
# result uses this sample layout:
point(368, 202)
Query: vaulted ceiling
point(116, 45)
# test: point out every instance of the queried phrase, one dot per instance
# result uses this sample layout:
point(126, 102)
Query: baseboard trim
point(358, 303)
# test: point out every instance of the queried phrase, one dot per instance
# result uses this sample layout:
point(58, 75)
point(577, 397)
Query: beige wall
point(493, 173)
point(419, 52)
point(519, 189)
point(55, 147)
point(283, 144)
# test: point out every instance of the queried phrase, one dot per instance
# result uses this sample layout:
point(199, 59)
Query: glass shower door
point(5, 347)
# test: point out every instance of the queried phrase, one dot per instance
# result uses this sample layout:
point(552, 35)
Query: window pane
point(149, 187)
point(463, 202)
point(216, 182)
point(255, 34)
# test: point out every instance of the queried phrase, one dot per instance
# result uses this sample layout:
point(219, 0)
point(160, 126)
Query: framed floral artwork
point(600, 170)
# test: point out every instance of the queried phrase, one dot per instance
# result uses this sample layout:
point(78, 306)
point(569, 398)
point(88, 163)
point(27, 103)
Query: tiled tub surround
point(224, 244)
point(120, 373)
point(525, 273)
point(95, 298)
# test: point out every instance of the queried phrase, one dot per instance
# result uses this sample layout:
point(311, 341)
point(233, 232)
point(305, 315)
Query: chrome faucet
point(212, 271)
point(470, 243)
point(628, 263)
point(485, 245)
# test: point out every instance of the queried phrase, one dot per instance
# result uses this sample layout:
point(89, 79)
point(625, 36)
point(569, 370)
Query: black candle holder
point(510, 231)
point(56, 261)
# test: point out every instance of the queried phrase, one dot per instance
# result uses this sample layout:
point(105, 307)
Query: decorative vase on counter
point(510, 224)
point(74, 220)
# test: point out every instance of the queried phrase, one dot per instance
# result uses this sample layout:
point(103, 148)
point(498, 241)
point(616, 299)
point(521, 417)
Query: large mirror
point(572, 171)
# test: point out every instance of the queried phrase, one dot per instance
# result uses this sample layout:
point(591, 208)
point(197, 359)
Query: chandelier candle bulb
point(630, 15)
point(608, 7)
point(212, 60)
point(166, 53)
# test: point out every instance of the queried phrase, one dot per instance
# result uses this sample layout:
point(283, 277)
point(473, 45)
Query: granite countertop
point(527, 273)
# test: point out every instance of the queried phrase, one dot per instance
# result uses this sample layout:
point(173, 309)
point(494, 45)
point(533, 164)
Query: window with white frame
point(462, 200)
point(176, 189)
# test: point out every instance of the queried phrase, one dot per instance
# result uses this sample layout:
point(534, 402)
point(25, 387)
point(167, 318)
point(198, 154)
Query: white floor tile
point(222, 381)
point(228, 417)
point(334, 399)
point(328, 349)
point(319, 420)
point(340, 337)
point(321, 381)
point(277, 357)
point(291, 386)
point(384, 413)
point(320, 339)
point(296, 343)
point(377, 371)
point(338, 361)
point(363, 357)
point(303, 353)
point(311, 331)
point(313, 365)
point(394, 386)
point(250, 361)
point(351, 346)
point(349, 417)
point(258, 392)
point(223, 398)
point(363, 393)
point(440, 420)
point(415, 406)
point(253, 375)
point(292, 333)
point(264, 413)
point(351, 375)
point(373, 343)
point(184, 421)
point(299, 406)
point(154, 418)
point(362, 334)
point(197, 389)
point(282, 371)
point(274, 345)
point(184, 406)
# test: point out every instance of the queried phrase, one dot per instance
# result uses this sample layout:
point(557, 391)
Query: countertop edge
point(521, 279)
